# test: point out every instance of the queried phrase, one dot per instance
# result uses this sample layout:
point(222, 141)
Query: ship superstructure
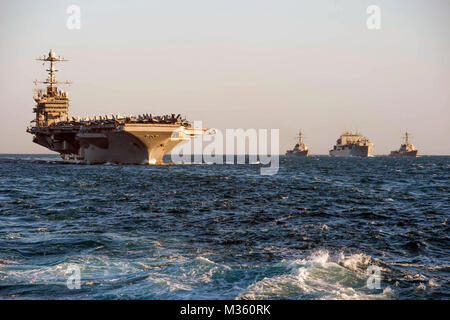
point(142, 139)
point(300, 149)
point(352, 144)
point(406, 150)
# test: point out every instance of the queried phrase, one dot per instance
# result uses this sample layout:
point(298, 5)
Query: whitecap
point(421, 287)
point(12, 236)
point(319, 277)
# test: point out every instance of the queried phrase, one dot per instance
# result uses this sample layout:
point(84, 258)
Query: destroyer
point(406, 149)
point(352, 144)
point(300, 149)
point(142, 139)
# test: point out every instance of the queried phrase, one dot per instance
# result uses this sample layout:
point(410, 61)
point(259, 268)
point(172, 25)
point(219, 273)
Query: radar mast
point(300, 137)
point(51, 79)
point(406, 137)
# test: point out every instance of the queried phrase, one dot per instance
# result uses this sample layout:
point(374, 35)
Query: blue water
point(225, 231)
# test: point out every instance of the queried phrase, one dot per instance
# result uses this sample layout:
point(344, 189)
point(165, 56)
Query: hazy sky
point(285, 64)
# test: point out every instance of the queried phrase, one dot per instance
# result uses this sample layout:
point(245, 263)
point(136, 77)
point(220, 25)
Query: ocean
point(321, 228)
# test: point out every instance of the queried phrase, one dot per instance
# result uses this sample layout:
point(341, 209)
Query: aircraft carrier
point(142, 139)
point(352, 144)
point(406, 150)
point(300, 149)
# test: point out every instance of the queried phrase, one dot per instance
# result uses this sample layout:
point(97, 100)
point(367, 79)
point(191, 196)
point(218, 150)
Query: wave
point(319, 277)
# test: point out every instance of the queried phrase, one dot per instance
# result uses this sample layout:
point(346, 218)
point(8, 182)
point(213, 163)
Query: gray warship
point(300, 149)
point(406, 149)
point(142, 139)
point(352, 144)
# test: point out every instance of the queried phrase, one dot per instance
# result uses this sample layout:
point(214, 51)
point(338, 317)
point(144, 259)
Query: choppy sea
point(322, 228)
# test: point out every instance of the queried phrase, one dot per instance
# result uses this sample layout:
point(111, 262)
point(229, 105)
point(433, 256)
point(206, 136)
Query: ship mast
point(406, 137)
point(51, 79)
point(300, 136)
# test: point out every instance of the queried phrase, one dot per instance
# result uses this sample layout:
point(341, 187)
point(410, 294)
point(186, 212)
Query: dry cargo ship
point(352, 144)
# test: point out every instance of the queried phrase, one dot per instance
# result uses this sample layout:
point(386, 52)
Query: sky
point(287, 65)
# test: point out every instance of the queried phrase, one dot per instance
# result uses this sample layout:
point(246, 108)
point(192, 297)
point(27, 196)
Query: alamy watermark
point(235, 146)
point(373, 21)
point(74, 277)
point(374, 279)
point(74, 19)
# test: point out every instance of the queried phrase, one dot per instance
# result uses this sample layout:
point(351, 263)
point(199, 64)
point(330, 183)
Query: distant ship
point(142, 139)
point(406, 149)
point(300, 149)
point(352, 144)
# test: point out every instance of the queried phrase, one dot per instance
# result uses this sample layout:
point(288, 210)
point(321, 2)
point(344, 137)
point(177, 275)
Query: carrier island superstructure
point(142, 139)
